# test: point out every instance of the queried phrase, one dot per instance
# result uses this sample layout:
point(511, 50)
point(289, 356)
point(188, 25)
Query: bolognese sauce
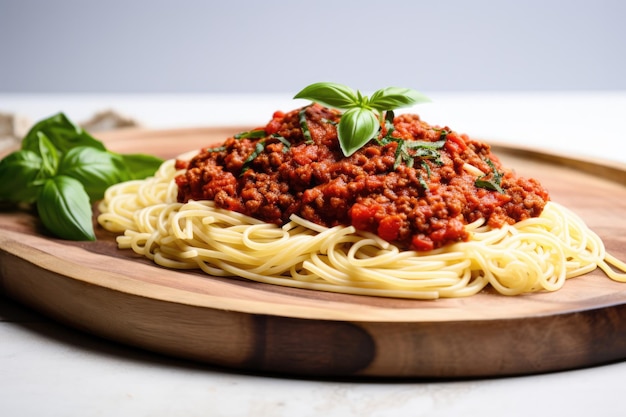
point(415, 184)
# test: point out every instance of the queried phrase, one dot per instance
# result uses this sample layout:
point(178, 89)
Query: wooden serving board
point(255, 327)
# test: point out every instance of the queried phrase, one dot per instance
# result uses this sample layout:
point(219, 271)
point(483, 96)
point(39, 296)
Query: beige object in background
point(12, 128)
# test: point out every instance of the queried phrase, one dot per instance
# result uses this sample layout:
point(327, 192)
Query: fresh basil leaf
point(304, 126)
point(395, 97)
point(401, 153)
point(48, 153)
point(63, 134)
point(285, 142)
point(414, 144)
point(356, 127)
point(19, 172)
point(493, 184)
point(251, 134)
point(258, 149)
point(64, 209)
point(489, 185)
point(330, 94)
point(216, 149)
point(61, 168)
point(138, 166)
point(96, 170)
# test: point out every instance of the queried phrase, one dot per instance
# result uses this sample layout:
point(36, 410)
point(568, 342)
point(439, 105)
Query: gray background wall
point(279, 46)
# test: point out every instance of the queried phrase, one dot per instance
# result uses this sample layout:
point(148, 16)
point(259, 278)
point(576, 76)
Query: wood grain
point(234, 323)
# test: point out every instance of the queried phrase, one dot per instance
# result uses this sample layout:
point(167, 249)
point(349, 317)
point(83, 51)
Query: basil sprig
point(63, 169)
point(363, 116)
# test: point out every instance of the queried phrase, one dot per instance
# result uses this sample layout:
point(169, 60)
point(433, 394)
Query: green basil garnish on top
point(363, 116)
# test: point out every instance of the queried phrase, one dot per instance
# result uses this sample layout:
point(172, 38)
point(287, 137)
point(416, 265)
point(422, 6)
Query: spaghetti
point(535, 254)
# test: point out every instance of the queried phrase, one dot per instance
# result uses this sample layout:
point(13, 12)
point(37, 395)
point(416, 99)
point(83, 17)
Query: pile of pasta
point(538, 254)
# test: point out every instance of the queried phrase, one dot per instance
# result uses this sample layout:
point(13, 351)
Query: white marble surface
point(49, 369)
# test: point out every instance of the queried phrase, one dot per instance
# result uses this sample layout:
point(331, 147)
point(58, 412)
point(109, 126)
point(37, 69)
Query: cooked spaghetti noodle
point(536, 254)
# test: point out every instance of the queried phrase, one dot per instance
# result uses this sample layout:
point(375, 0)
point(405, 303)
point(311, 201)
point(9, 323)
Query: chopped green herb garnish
point(304, 126)
point(443, 133)
point(285, 142)
point(495, 183)
point(251, 134)
point(423, 183)
point(217, 149)
point(258, 149)
point(426, 168)
point(408, 150)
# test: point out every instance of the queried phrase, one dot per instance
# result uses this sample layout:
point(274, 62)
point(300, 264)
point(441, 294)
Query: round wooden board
point(256, 327)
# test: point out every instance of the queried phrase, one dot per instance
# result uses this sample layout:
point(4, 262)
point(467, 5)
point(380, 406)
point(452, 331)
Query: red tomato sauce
point(420, 201)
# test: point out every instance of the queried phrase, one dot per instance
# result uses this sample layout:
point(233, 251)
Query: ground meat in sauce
point(423, 206)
